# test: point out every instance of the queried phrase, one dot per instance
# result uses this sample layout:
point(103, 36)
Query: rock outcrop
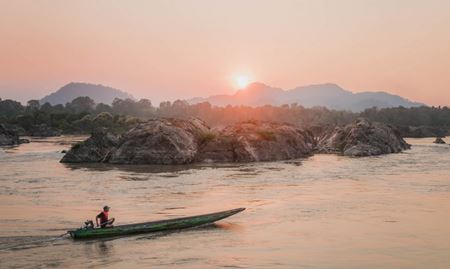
point(97, 148)
point(362, 138)
point(175, 141)
point(439, 140)
point(165, 141)
point(9, 137)
point(256, 141)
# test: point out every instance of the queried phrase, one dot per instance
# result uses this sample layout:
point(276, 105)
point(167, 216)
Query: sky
point(167, 50)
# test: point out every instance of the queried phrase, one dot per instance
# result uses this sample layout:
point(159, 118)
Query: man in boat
point(105, 222)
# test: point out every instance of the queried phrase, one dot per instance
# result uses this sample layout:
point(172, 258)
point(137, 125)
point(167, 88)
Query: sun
point(242, 81)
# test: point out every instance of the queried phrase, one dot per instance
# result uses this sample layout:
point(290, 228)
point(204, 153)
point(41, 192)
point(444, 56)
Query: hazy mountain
point(255, 94)
point(99, 93)
point(328, 95)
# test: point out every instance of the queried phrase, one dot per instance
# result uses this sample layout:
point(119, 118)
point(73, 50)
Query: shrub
point(77, 145)
point(206, 137)
point(266, 135)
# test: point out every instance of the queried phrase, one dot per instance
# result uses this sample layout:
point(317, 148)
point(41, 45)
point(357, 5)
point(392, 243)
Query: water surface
point(326, 211)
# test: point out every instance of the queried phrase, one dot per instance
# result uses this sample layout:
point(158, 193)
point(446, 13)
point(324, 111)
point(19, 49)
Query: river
point(325, 211)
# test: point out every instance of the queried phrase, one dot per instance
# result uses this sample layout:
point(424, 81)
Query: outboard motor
point(88, 224)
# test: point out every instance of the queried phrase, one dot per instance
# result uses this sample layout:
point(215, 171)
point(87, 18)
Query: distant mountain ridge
point(328, 95)
point(98, 93)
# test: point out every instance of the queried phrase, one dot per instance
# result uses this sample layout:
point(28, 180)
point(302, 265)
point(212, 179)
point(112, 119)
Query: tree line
point(82, 115)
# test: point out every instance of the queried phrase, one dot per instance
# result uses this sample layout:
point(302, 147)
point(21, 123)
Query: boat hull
point(154, 226)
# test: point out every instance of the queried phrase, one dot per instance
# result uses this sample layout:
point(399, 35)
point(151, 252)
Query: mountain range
point(328, 95)
point(98, 93)
point(255, 94)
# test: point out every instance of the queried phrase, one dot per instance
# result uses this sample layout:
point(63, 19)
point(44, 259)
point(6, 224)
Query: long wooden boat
point(153, 226)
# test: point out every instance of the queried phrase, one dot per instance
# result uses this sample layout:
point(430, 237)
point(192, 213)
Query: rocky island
point(177, 141)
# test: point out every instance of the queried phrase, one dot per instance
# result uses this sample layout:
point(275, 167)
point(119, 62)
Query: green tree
point(81, 104)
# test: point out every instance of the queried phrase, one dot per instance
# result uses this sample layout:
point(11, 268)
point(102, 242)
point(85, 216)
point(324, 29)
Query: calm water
point(322, 212)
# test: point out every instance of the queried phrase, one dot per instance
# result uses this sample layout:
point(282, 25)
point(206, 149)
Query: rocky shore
point(10, 137)
point(176, 141)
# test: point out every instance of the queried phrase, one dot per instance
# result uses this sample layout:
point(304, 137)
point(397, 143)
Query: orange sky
point(180, 49)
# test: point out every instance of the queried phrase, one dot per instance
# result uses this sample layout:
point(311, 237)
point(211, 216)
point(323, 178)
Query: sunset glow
point(242, 81)
point(166, 47)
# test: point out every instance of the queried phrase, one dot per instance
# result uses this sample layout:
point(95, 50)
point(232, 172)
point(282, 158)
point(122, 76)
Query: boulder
point(97, 148)
point(160, 141)
point(362, 138)
point(439, 140)
point(9, 137)
point(15, 129)
point(255, 141)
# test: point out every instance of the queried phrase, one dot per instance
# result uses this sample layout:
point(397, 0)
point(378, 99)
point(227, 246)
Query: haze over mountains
point(329, 95)
point(255, 94)
point(98, 93)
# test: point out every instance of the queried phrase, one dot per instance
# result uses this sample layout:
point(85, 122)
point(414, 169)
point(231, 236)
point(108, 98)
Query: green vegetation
point(82, 115)
point(77, 145)
point(206, 137)
point(266, 135)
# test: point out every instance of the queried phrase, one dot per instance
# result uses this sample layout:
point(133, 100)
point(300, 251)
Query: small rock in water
point(439, 140)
